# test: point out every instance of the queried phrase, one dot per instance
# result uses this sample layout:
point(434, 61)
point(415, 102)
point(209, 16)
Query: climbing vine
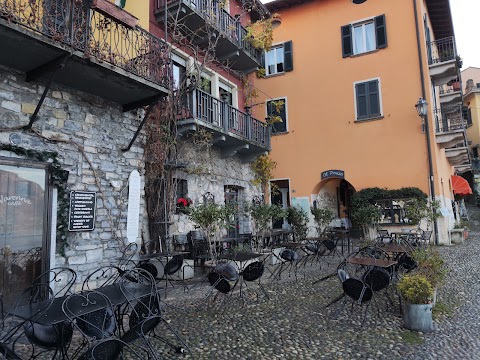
point(260, 33)
point(58, 179)
point(263, 168)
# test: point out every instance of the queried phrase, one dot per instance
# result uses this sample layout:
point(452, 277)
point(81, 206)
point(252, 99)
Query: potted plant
point(417, 292)
point(183, 204)
point(367, 217)
point(431, 265)
point(298, 218)
point(322, 216)
point(211, 218)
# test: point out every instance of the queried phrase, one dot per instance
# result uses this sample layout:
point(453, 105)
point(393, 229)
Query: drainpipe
point(427, 130)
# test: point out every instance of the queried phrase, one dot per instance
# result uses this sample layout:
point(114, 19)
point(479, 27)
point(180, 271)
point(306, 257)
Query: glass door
point(23, 227)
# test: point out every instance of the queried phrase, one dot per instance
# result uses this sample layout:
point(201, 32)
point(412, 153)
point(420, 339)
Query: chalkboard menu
point(81, 216)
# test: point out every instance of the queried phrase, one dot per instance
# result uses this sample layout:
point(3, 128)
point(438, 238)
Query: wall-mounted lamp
point(422, 107)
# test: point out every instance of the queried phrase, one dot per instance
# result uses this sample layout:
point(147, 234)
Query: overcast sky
point(466, 15)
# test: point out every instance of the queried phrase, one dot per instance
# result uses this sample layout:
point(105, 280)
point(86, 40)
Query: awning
point(460, 186)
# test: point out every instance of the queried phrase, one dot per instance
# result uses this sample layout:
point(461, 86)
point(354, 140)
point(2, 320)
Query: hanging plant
point(59, 181)
point(260, 33)
point(263, 168)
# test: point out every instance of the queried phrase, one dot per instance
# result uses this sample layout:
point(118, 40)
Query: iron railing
point(441, 50)
point(449, 119)
point(226, 118)
point(217, 17)
point(75, 26)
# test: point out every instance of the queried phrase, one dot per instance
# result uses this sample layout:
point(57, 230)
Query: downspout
point(427, 129)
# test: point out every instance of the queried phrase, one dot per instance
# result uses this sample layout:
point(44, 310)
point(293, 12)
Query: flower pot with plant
point(322, 216)
point(417, 293)
point(431, 265)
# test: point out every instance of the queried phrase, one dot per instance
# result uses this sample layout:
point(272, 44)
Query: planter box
point(418, 317)
point(457, 236)
point(111, 10)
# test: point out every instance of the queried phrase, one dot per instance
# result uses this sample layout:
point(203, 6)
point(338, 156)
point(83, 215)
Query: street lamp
point(422, 107)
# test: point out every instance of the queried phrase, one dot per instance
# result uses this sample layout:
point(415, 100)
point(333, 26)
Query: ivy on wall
point(59, 181)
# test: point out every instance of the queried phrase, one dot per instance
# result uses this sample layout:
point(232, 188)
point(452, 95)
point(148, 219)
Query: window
point(467, 115)
point(394, 211)
point(280, 111)
point(279, 59)
point(182, 188)
point(364, 36)
point(179, 69)
point(367, 99)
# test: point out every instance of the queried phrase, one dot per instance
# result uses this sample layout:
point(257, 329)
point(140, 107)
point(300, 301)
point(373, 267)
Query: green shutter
point(347, 46)
point(288, 54)
point(381, 31)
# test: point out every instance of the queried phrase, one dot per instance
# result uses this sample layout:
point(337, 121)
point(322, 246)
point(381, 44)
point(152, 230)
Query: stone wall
point(206, 171)
point(92, 132)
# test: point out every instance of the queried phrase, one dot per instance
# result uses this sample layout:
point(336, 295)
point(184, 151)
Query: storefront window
point(394, 211)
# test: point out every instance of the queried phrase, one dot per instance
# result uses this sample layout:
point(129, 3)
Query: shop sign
point(333, 174)
point(81, 215)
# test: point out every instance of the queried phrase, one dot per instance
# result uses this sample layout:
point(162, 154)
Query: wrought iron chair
point(143, 315)
point(384, 236)
point(103, 276)
point(223, 279)
point(125, 261)
point(52, 337)
point(14, 329)
point(253, 272)
point(93, 316)
point(110, 347)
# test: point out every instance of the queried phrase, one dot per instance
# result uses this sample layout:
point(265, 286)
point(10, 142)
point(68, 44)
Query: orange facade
point(324, 131)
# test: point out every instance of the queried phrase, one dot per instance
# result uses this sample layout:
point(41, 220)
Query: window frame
point(284, 98)
point(274, 48)
point(380, 104)
point(390, 210)
point(364, 36)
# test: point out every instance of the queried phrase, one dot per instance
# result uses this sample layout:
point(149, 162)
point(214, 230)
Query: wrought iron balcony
point(450, 126)
point(442, 60)
point(85, 49)
point(450, 95)
point(200, 19)
point(234, 131)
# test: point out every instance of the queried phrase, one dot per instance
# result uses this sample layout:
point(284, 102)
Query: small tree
point(262, 216)
point(367, 217)
point(211, 218)
point(322, 216)
point(298, 218)
point(419, 209)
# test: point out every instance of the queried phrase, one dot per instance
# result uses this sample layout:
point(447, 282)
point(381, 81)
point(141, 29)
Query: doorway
point(280, 195)
point(24, 226)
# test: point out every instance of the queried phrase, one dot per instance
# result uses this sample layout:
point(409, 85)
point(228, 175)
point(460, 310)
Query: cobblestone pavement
point(294, 323)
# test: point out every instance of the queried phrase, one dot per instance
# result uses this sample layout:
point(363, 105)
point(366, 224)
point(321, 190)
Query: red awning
point(460, 186)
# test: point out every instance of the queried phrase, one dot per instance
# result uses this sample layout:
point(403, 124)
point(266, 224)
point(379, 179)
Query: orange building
point(350, 74)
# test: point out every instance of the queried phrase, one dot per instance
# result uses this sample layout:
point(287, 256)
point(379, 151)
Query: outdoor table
point(241, 262)
point(395, 248)
point(367, 261)
point(397, 235)
point(55, 315)
point(343, 234)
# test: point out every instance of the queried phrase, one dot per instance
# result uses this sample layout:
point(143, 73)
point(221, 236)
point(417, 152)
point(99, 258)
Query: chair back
point(342, 275)
point(222, 277)
point(173, 265)
point(92, 314)
point(142, 309)
point(377, 278)
point(103, 276)
point(113, 348)
point(60, 280)
point(127, 255)
point(253, 271)
point(357, 290)
point(289, 255)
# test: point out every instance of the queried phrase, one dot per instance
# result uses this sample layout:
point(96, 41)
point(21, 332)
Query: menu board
point(81, 216)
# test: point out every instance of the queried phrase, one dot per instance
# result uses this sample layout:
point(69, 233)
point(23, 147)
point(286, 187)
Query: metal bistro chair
point(93, 326)
point(384, 236)
point(14, 329)
point(53, 337)
point(143, 315)
point(223, 278)
point(102, 276)
point(125, 261)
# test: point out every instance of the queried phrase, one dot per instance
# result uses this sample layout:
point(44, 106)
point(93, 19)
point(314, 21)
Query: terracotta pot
point(111, 10)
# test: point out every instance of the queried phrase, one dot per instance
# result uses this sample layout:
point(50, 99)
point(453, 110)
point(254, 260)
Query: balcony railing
point(217, 17)
point(449, 119)
point(226, 118)
point(73, 25)
point(442, 50)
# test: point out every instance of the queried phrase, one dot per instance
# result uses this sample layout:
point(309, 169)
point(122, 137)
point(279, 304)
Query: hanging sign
point(333, 174)
point(133, 212)
point(81, 215)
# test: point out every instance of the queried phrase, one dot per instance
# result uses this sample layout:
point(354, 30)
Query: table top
point(118, 293)
point(395, 248)
point(384, 263)
point(240, 256)
point(143, 257)
point(290, 245)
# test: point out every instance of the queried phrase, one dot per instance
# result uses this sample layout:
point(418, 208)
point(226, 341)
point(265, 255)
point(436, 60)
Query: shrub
point(415, 289)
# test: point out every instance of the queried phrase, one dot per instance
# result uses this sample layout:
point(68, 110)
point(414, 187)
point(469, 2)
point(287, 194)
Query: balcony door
point(24, 219)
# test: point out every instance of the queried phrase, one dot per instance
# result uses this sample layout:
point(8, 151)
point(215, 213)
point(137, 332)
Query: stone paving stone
point(294, 323)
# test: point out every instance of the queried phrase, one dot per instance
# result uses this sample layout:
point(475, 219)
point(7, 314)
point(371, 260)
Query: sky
point(466, 14)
